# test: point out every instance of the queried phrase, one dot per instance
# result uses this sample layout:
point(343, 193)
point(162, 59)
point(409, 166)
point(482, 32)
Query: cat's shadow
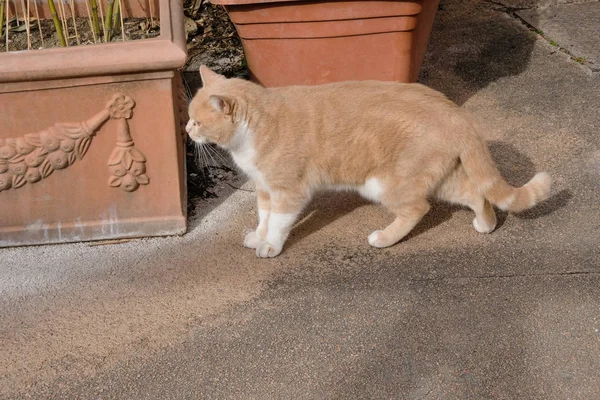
point(518, 169)
point(515, 167)
point(326, 208)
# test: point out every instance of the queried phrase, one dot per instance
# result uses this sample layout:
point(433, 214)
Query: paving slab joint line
point(450, 278)
point(507, 9)
point(512, 11)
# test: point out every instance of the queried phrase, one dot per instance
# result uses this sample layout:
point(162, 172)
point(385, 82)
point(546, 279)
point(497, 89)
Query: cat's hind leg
point(263, 201)
point(457, 188)
point(485, 216)
point(408, 216)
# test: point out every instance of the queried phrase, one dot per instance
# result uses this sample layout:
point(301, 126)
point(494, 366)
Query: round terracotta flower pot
point(289, 42)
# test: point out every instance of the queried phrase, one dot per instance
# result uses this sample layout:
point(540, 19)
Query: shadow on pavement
point(473, 46)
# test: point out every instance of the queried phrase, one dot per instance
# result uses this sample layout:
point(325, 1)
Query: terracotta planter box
point(90, 143)
point(289, 42)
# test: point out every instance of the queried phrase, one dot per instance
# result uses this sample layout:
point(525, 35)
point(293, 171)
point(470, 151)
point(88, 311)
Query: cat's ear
point(208, 75)
point(222, 104)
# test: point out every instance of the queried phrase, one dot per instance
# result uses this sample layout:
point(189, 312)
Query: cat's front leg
point(263, 201)
point(285, 208)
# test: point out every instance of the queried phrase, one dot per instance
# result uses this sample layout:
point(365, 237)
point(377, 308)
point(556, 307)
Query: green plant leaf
point(19, 28)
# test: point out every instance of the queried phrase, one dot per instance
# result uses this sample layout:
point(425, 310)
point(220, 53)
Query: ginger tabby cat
point(396, 144)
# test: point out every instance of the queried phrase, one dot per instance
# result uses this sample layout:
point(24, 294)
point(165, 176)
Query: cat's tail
point(480, 168)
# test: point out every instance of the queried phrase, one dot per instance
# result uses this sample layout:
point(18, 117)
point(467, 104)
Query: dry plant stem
point(196, 7)
point(122, 24)
point(57, 24)
point(63, 19)
point(28, 26)
point(116, 16)
point(102, 19)
point(96, 24)
point(63, 6)
point(92, 28)
point(6, 10)
point(74, 22)
point(16, 13)
point(2, 5)
point(108, 20)
point(37, 16)
point(26, 19)
point(151, 8)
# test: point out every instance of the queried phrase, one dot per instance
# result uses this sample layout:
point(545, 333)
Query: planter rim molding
point(167, 51)
point(258, 2)
point(242, 2)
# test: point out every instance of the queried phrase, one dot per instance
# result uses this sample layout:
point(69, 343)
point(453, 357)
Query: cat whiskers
point(224, 159)
point(206, 148)
point(200, 155)
point(206, 154)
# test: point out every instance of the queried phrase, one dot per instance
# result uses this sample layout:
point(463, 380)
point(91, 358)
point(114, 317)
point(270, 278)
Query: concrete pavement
point(446, 314)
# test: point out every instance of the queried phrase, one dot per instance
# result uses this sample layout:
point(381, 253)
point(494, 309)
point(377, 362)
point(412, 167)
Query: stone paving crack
point(507, 276)
point(513, 12)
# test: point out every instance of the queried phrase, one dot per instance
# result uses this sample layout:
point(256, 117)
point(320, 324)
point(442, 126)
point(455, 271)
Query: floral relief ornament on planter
point(35, 156)
point(126, 163)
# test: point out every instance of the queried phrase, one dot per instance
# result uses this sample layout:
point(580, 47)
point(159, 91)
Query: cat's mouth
point(198, 139)
point(192, 128)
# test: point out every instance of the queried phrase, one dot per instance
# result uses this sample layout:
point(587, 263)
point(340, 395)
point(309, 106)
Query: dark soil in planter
point(135, 29)
point(213, 40)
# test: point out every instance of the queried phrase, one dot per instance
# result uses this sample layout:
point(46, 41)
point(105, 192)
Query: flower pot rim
point(167, 51)
point(247, 2)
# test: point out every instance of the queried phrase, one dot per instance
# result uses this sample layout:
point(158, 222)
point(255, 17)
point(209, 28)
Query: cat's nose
point(190, 126)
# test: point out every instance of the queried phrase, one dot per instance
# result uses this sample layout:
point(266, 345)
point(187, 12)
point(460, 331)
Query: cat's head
point(213, 111)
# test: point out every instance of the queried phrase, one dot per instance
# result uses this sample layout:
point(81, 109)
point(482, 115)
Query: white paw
point(376, 239)
point(265, 250)
point(482, 229)
point(252, 240)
